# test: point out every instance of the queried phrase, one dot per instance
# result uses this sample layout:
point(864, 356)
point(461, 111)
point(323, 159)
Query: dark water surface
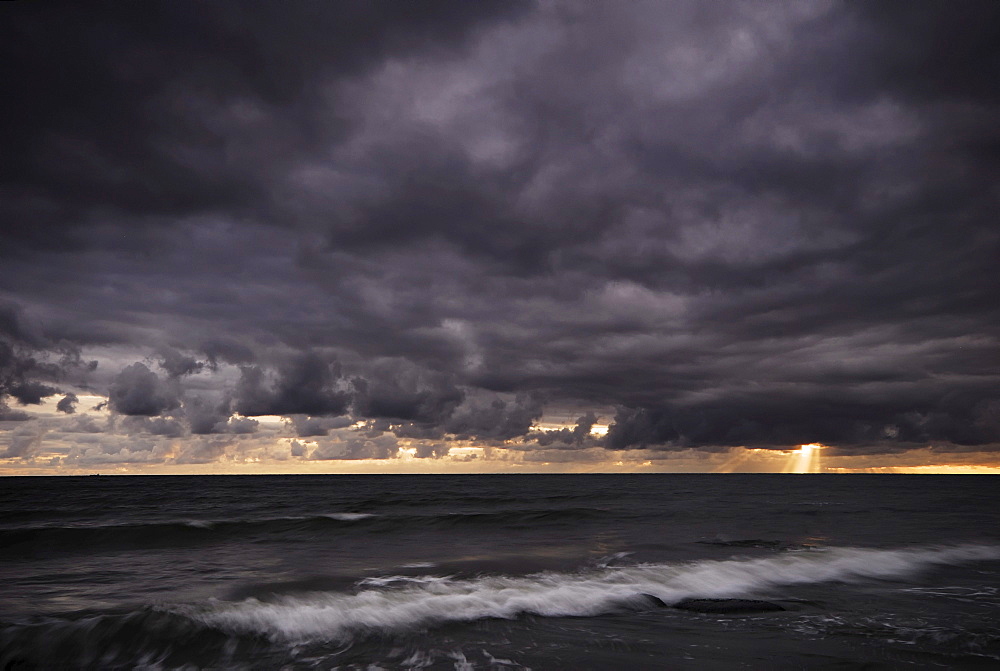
point(499, 572)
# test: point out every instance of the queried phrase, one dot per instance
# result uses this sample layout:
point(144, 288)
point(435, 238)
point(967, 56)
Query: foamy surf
point(398, 605)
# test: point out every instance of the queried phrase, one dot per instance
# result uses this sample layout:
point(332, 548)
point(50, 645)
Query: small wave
point(180, 532)
point(201, 524)
point(349, 517)
point(156, 534)
point(405, 603)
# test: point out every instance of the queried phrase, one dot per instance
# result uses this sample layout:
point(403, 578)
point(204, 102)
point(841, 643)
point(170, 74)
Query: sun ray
point(806, 459)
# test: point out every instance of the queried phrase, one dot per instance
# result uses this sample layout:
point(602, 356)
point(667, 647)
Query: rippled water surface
point(500, 572)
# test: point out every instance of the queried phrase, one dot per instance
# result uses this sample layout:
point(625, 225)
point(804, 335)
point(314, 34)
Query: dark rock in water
point(727, 605)
point(654, 601)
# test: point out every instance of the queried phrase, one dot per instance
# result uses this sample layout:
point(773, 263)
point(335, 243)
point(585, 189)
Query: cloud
point(307, 384)
point(202, 451)
point(783, 421)
point(8, 415)
point(305, 426)
point(227, 351)
point(67, 404)
point(26, 359)
point(489, 416)
point(31, 392)
point(136, 390)
point(83, 424)
point(380, 447)
point(398, 390)
point(737, 224)
point(156, 426)
point(432, 450)
point(242, 425)
point(297, 448)
point(139, 129)
point(177, 364)
point(575, 437)
point(22, 443)
point(206, 416)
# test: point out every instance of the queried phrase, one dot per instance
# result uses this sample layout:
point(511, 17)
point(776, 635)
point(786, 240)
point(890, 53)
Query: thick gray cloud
point(139, 391)
point(756, 224)
point(398, 390)
point(205, 416)
point(30, 359)
point(306, 384)
point(578, 436)
point(305, 426)
point(177, 364)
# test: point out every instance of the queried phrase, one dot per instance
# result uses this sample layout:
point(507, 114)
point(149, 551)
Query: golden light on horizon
point(805, 459)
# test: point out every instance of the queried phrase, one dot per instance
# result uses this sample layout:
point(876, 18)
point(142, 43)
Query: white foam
point(339, 616)
point(384, 581)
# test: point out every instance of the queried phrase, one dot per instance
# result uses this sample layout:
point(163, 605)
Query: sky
point(241, 237)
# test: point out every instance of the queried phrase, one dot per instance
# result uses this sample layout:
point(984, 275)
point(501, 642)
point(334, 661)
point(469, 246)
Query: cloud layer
point(733, 224)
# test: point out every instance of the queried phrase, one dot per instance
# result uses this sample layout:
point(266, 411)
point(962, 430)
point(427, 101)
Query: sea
point(641, 571)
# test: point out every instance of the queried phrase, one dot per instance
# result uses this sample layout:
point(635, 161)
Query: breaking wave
point(399, 604)
point(220, 634)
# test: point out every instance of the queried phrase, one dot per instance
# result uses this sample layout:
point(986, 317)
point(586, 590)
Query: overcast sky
point(297, 235)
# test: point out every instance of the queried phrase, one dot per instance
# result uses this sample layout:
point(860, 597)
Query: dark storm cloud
point(486, 416)
point(960, 419)
point(305, 426)
point(576, 437)
point(147, 109)
point(226, 351)
point(306, 384)
point(139, 391)
point(31, 392)
point(177, 364)
point(67, 404)
point(30, 359)
point(398, 390)
point(205, 416)
point(757, 224)
point(242, 425)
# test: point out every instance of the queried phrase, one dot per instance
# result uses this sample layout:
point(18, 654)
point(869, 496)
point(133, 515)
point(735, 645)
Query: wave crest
point(394, 607)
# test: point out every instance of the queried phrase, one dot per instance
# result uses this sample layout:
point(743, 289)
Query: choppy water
point(499, 572)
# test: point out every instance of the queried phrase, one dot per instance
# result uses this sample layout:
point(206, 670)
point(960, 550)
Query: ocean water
point(500, 572)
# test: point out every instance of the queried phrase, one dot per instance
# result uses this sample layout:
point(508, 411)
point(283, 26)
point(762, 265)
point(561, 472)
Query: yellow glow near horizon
point(805, 459)
point(930, 469)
